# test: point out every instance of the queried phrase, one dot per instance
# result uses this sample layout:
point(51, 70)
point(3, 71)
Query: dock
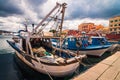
point(107, 69)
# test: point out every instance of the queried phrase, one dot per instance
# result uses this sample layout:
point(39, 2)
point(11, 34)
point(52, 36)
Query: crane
point(61, 10)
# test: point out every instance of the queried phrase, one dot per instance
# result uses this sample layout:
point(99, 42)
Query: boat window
point(47, 40)
point(79, 38)
point(73, 39)
point(66, 42)
point(70, 39)
point(44, 40)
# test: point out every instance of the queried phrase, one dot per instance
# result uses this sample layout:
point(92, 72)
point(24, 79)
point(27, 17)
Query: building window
point(115, 25)
point(111, 25)
point(110, 29)
point(111, 21)
point(116, 20)
point(115, 29)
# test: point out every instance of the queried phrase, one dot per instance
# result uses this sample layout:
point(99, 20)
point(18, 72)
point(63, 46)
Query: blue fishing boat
point(95, 45)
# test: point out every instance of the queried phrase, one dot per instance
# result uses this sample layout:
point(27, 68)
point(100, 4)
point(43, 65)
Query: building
point(114, 25)
point(86, 27)
point(71, 32)
point(65, 31)
point(74, 32)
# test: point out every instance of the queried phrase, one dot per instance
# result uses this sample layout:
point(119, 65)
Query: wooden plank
point(99, 68)
point(111, 59)
point(87, 76)
point(113, 70)
point(117, 77)
point(109, 74)
point(116, 64)
point(107, 69)
point(93, 73)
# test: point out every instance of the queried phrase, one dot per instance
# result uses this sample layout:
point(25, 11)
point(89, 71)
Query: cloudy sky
point(14, 12)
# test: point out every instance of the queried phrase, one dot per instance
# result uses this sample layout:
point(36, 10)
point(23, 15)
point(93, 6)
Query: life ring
point(79, 44)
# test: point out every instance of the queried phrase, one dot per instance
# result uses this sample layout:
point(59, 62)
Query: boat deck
point(108, 69)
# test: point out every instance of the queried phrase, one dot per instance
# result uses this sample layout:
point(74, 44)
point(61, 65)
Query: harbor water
point(9, 70)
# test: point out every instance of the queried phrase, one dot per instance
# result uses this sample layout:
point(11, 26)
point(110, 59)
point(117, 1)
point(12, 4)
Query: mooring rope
point(46, 70)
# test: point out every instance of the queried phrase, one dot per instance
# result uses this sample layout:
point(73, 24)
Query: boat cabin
point(74, 43)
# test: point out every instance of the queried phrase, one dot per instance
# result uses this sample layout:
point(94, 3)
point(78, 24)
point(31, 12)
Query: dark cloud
point(32, 7)
point(8, 7)
point(76, 9)
point(94, 9)
point(35, 5)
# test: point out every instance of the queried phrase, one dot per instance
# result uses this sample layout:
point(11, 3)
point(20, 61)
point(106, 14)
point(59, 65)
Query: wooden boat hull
point(53, 70)
point(96, 52)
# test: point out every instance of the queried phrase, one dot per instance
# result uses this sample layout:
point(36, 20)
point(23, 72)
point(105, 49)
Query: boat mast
point(63, 13)
point(63, 6)
point(57, 5)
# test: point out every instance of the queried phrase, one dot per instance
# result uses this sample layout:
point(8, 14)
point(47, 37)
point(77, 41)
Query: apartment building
point(114, 25)
point(86, 27)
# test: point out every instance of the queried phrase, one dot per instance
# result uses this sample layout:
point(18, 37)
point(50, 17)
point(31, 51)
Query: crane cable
point(44, 25)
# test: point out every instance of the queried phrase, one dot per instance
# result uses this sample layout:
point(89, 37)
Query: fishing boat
point(94, 45)
point(36, 51)
point(42, 59)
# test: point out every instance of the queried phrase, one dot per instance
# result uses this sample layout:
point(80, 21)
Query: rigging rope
point(46, 70)
point(44, 25)
point(56, 21)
